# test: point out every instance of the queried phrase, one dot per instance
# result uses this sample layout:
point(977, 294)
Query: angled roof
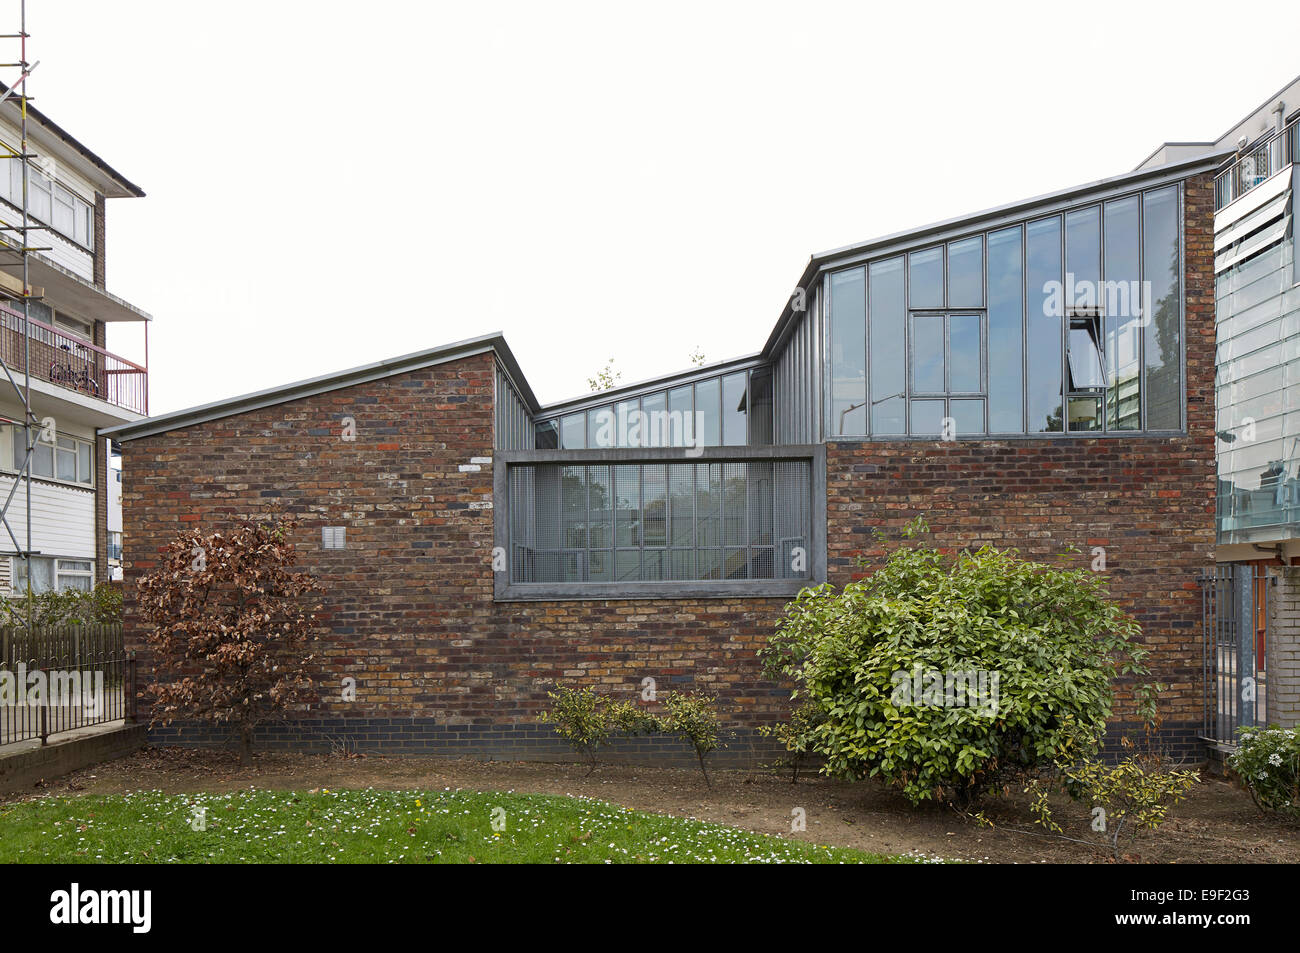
point(496, 343)
point(487, 343)
point(45, 122)
point(953, 227)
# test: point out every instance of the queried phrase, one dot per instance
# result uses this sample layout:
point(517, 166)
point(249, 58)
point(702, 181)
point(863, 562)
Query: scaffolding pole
point(30, 425)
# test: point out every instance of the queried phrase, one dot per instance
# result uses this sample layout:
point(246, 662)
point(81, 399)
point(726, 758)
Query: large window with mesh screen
point(726, 521)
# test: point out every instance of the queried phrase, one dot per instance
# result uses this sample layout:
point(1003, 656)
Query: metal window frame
point(904, 250)
point(505, 590)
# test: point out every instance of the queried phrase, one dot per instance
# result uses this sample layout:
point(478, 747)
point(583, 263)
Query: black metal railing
point(1235, 610)
point(55, 679)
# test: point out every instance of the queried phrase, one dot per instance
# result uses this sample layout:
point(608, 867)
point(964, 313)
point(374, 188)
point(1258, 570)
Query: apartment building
point(76, 385)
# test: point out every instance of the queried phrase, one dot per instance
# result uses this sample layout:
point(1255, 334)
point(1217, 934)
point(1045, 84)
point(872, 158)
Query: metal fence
point(55, 679)
point(1235, 608)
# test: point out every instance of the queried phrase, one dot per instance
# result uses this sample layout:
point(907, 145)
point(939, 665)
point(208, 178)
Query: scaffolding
point(15, 249)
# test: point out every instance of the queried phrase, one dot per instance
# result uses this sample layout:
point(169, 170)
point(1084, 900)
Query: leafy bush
point(582, 718)
point(586, 719)
point(1127, 798)
point(229, 627)
point(694, 718)
point(99, 606)
point(795, 735)
point(944, 674)
point(1268, 762)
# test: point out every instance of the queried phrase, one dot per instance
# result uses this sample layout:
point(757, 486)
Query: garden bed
point(1217, 823)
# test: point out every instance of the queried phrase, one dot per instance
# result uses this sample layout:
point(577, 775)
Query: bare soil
point(1218, 823)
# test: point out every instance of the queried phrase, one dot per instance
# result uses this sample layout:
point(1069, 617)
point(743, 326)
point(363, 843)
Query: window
point(1122, 309)
point(1085, 366)
point(68, 459)
point(74, 574)
point(947, 360)
point(925, 278)
point(1006, 332)
point(114, 544)
point(52, 573)
point(50, 203)
point(966, 273)
point(1043, 272)
point(731, 410)
point(848, 319)
point(1071, 322)
point(887, 367)
point(1162, 346)
point(656, 522)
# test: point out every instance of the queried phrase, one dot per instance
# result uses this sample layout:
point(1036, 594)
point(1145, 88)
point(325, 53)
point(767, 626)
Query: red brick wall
point(409, 606)
point(440, 666)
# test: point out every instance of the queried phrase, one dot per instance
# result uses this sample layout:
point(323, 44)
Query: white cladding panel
point(63, 519)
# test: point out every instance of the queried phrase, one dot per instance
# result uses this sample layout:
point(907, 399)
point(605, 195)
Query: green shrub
point(795, 735)
point(1126, 798)
point(945, 674)
point(1268, 763)
point(586, 719)
point(582, 718)
point(99, 606)
point(694, 718)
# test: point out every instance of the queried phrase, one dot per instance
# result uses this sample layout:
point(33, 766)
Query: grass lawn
point(370, 826)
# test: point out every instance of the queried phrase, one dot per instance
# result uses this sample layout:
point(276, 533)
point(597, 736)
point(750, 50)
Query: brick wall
point(100, 258)
point(439, 666)
point(1282, 682)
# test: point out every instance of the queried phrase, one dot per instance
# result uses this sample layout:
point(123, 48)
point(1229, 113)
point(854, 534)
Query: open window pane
point(1084, 353)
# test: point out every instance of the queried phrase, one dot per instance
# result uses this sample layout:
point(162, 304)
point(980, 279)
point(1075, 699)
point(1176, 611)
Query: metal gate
point(1235, 610)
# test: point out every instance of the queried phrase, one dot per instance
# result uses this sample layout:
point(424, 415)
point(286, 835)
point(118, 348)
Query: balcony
point(1257, 166)
point(63, 359)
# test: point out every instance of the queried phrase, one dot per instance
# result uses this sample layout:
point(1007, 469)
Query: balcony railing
point(1257, 166)
point(72, 362)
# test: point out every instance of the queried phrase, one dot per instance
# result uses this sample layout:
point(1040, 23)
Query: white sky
point(334, 183)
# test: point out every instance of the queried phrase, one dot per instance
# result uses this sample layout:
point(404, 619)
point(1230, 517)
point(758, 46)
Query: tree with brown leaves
point(230, 628)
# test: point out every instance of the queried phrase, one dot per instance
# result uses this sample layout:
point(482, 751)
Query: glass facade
point(1065, 323)
point(1258, 396)
point(732, 410)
